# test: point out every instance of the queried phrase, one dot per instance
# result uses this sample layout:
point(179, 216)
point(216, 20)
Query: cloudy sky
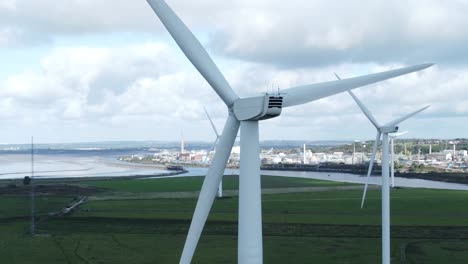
point(92, 70)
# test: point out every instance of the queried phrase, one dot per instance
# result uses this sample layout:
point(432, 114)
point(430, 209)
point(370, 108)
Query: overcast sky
point(93, 70)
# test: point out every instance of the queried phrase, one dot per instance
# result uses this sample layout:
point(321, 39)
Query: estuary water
point(341, 177)
point(15, 166)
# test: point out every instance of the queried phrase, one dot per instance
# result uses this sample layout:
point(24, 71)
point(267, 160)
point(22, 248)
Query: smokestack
point(304, 159)
point(182, 143)
point(430, 148)
point(354, 151)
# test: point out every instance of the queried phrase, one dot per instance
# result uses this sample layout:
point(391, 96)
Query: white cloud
point(156, 85)
point(297, 33)
point(8, 4)
point(149, 90)
point(304, 33)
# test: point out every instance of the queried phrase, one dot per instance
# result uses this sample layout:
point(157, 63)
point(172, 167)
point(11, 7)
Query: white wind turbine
point(392, 161)
point(245, 113)
point(220, 187)
point(384, 131)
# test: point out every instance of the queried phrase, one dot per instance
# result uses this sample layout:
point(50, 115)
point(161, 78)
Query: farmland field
point(428, 226)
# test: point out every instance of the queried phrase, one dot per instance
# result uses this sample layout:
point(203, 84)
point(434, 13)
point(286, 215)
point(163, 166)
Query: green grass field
point(428, 226)
point(185, 184)
point(19, 206)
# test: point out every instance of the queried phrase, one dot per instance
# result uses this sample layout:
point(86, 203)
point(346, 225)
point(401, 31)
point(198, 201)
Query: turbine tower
point(392, 162)
point(245, 113)
point(220, 187)
point(384, 131)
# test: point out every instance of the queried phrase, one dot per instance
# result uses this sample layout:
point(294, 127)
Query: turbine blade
point(214, 144)
point(403, 118)
point(395, 135)
point(371, 163)
point(212, 148)
point(307, 93)
point(362, 106)
point(336, 75)
point(194, 51)
point(364, 109)
point(210, 187)
point(212, 124)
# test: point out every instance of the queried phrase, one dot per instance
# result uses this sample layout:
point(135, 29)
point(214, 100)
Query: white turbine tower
point(392, 161)
point(384, 131)
point(245, 113)
point(220, 187)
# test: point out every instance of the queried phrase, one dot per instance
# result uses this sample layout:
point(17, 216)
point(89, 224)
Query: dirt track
point(227, 193)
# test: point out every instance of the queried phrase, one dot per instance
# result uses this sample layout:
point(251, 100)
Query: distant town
point(434, 154)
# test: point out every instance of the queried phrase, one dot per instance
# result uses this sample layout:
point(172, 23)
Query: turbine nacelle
point(388, 129)
point(258, 107)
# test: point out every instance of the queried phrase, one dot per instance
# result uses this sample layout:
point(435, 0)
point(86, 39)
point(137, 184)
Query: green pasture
point(186, 184)
point(428, 226)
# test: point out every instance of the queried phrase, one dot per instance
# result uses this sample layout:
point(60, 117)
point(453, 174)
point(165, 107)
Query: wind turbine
point(220, 187)
point(392, 149)
point(245, 113)
point(384, 131)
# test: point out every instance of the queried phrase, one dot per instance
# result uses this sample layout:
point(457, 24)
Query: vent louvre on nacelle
point(275, 101)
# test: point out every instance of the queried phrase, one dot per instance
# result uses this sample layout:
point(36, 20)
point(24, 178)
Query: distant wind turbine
point(245, 113)
point(384, 131)
point(220, 187)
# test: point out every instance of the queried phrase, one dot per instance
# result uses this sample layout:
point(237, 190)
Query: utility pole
point(33, 222)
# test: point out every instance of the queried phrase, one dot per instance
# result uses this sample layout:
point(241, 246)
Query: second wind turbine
point(382, 131)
